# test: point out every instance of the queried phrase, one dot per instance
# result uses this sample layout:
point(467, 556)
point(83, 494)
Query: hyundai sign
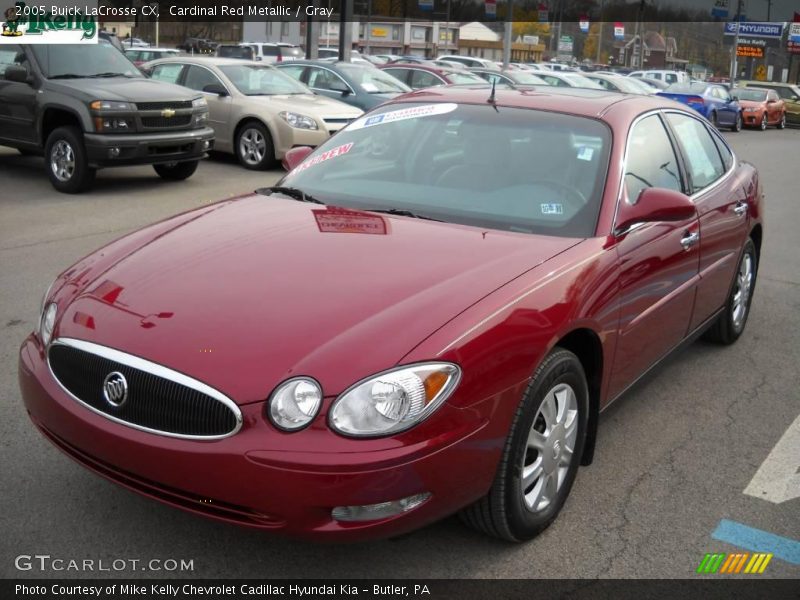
point(765, 30)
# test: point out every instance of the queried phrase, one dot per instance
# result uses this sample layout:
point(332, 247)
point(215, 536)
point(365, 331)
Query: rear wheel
point(730, 324)
point(782, 122)
point(737, 123)
point(67, 164)
point(541, 454)
point(176, 171)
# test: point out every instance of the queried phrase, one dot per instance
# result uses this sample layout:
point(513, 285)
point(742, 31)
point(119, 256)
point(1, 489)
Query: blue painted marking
point(756, 540)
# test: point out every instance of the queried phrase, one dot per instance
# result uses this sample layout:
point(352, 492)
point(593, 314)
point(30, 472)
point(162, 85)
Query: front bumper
point(110, 150)
point(251, 479)
point(752, 119)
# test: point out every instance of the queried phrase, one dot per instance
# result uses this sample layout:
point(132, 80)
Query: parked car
point(760, 107)
point(257, 112)
point(240, 51)
point(134, 42)
point(362, 86)
point(387, 58)
point(422, 76)
point(87, 107)
point(667, 76)
point(275, 52)
point(654, 84)
point(560, 67)
point(790, 94)
point(569, 79)
point(196, 45)
point(618, 83)
point(448, 64)
point(469, 61)
point(711, 100)
point(139, 56)
point(514, 78)
point(425, 316)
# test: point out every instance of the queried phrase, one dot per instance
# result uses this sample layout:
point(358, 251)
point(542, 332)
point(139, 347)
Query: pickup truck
point(87, 107)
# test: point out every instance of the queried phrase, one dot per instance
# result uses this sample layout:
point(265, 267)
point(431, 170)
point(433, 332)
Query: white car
point(135, 43)
point(666, 76)
point(469, 61)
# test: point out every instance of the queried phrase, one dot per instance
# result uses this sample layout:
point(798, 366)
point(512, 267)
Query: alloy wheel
point(550, 447)
point(742, 291)
point(62, 160)
point(252, 146)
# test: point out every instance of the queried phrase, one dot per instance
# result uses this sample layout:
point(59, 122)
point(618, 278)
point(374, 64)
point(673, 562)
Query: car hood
point(253, 291)
point(125, 89)
point(319, 105)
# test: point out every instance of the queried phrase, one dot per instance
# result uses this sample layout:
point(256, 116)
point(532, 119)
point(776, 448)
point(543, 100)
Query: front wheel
point(176, 171)
point(541, 454)
point(713, 118)
point(730, 324)
point(67, 164)
point(737, 124)
point(764, 122)
point(254, 147)
point(782, 122)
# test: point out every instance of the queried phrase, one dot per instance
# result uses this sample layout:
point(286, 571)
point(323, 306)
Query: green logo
point(37, 21)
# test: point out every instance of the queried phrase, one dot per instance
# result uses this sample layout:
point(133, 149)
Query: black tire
point(253, 146)
point(713, 118)
point(176, 171)
point(763, 124)
point(503, 512)
point(782, 122)
point(727, 328)
point(66, 144)
point(737, 123)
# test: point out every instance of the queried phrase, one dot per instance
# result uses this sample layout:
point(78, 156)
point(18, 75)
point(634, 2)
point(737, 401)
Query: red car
point(417, 76)
point(425, 316)
point(761, 108)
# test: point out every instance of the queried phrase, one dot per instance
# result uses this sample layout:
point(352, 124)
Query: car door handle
point(689, 239)
point(740, 209)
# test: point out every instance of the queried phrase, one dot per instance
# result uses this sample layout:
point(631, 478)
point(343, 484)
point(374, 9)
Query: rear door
point(659, 262)
point(721, 207)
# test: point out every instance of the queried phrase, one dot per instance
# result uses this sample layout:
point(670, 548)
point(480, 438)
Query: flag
point(619, 31)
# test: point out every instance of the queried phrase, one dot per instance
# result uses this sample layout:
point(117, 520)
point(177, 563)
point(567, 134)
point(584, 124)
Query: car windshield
point(581, 81)
point(463, 78)
point(750, 95)
point(527, 78)
point(511, 169)
point(72, 61)
point(255, 80)
point(374, 81)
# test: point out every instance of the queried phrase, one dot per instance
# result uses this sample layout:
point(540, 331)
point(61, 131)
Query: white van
point(669, 77)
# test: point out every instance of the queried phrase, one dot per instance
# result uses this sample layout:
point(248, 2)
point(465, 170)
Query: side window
point(423, 79)
point(269, 50)
point(295, 71)
point(724, 152)
point(168, 72)
point(322, 79)
point(401, 74)
point(198, 78)
point(651, 160)
point(670, 77)
point(12, 55)
point(699, 150)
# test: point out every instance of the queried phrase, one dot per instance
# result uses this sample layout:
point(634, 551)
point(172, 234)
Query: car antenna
point(491, 99)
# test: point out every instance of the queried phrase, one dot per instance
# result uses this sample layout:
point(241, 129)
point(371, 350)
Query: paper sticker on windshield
point(327, 155)
point(414, 112)
point(585, 153)
point(552, 209)
point(368, 86)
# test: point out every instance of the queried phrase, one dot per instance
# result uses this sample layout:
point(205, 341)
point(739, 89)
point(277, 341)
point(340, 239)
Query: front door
point(17, 100)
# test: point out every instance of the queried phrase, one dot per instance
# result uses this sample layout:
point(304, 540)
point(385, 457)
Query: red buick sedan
point(425, 316)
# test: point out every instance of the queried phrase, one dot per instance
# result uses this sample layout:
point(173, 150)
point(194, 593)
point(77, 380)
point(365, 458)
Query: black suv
point(87, 106)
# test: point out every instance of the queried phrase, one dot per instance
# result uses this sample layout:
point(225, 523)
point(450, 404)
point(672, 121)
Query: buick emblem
point(115, 389)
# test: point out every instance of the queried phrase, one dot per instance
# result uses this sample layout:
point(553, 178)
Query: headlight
point(395, 400)
point(199, 103)
point(294, 403)
point(113, 125)
point(298, 121)
point(111, 105)
point(48, 323)
point(201, 118)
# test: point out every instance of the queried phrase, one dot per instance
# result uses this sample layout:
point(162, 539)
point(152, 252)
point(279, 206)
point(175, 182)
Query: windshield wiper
point(292, 192)
point(401, 212)
point(66, 76)
point(110, 74)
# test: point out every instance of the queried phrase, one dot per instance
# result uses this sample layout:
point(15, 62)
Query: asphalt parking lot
point(672, 460)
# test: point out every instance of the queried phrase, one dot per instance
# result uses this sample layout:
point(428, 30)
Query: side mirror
point(17, 73)
point(295, 156)
point(341, 88)
point(795, 98)
point(215, 88)
point(655, 205)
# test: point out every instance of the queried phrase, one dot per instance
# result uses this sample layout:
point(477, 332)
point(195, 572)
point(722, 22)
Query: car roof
point(214, 61)
point(432, 69)
point(578, 101)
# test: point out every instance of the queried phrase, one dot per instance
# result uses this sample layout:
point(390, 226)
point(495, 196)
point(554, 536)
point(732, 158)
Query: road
point(673, 456)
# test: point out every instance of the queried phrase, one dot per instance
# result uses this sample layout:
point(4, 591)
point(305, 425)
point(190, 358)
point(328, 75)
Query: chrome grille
point(158, 400)
point(161, 105)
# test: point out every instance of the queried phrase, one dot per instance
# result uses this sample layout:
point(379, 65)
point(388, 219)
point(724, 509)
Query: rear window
point(245, 52)
point(511, 169)
point(461, 78)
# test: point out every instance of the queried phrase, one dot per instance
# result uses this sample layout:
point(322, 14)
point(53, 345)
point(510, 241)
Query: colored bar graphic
point(756, 540)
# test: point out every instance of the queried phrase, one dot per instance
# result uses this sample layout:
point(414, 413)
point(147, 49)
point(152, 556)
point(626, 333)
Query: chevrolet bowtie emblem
point(167, 113)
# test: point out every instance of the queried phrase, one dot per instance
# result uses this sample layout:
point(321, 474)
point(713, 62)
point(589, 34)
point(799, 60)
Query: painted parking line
point(757, 540)
point(777, 479)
